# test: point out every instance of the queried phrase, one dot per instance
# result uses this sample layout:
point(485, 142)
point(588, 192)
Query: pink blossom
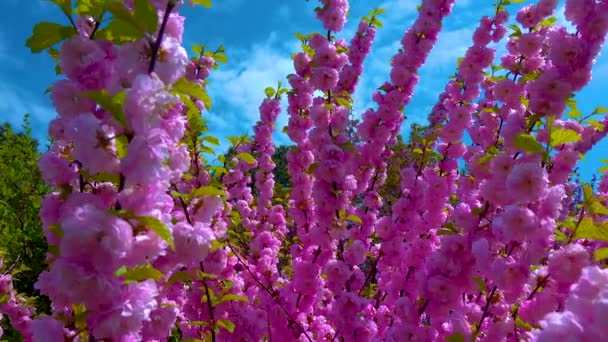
point(527, 182)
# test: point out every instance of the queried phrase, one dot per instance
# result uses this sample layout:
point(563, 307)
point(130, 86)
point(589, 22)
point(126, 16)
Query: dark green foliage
point(22, 242)
point(281, 174)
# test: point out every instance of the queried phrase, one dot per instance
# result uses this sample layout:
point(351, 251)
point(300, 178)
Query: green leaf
point(197, 49)
point(523, 324)
point(195, 90)
point(48, 34)
point(560, 236)
point(65, 5)
point(139, 273)
point(343, 102)
point(588, 196)
point(103, 177)
point(598, 208)
point(198, 324)
point(121, 142)
point(574, 113)
point(456, 337)
point(516, 30)
point(598, 125)
point(601, 254)
point(234, 140)
point(208, 190)
point(246, 157)
point(220, 58)
point(179, 276)
point(146, 15)
point(560, 136)
point(112, 104)
point(93, 8)
point(218, 170)
point(56, 230)
point(206, 3)
point(231, 297)
point(212, 140)
point(547, 22)
point(600, 110)
point(588, 229)
point(528, 143)
point(481, 283)
point(269, 91)
point(4, 298)
point(119, 31)
point(226, 324)
point(158, 227)
point(354, 218)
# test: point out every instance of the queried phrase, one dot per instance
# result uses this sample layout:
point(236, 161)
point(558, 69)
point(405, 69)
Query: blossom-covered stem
point(159, 38)
point(209, 304)
point(271, 292)
point(485, 311)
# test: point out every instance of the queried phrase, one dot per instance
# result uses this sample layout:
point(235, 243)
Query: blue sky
point(259, 39)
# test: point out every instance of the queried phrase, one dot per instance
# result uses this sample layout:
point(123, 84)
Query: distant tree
point(22, 242)
point(404, 155)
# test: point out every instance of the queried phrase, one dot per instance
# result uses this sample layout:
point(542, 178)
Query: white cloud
point(17, 102)
point(239, 86)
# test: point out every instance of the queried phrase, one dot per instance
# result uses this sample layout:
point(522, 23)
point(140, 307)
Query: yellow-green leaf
point(146, 15)
point(220, 58)
point(269, 91)
point(600, 110)
point(207, 191)
point(246, 157)
point(158, 227)
point(90, 7)
point(601, 254)
point(343, 102)
point(139, 273)
point(206, 3)
point(48, 34)
point(354, 218)
point(561, 136)
point(65, 5)
point(121, 142)
point(119, 31)
point(212, 140)
point(56, 230)
point(193, 89)
point(112, 104)
point(527, 143)
point(231, 297)
point(598, 125)
point(588, 196)
point(226, 324)
point(588, 229)
point(179, 276)
point(456, 337)
point(598, 208)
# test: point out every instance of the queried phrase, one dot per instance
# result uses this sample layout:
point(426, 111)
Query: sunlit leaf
point(246, 157)
point(139, 273)
point(48, 34)
point(560, 136)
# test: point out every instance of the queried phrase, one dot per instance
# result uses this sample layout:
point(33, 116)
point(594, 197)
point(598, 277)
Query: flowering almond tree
point(150, 242)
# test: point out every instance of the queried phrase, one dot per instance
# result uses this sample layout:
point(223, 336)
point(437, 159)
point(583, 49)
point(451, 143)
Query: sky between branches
point(259, 37)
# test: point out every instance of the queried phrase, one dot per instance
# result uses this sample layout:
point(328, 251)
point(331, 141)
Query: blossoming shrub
point(148, 240)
